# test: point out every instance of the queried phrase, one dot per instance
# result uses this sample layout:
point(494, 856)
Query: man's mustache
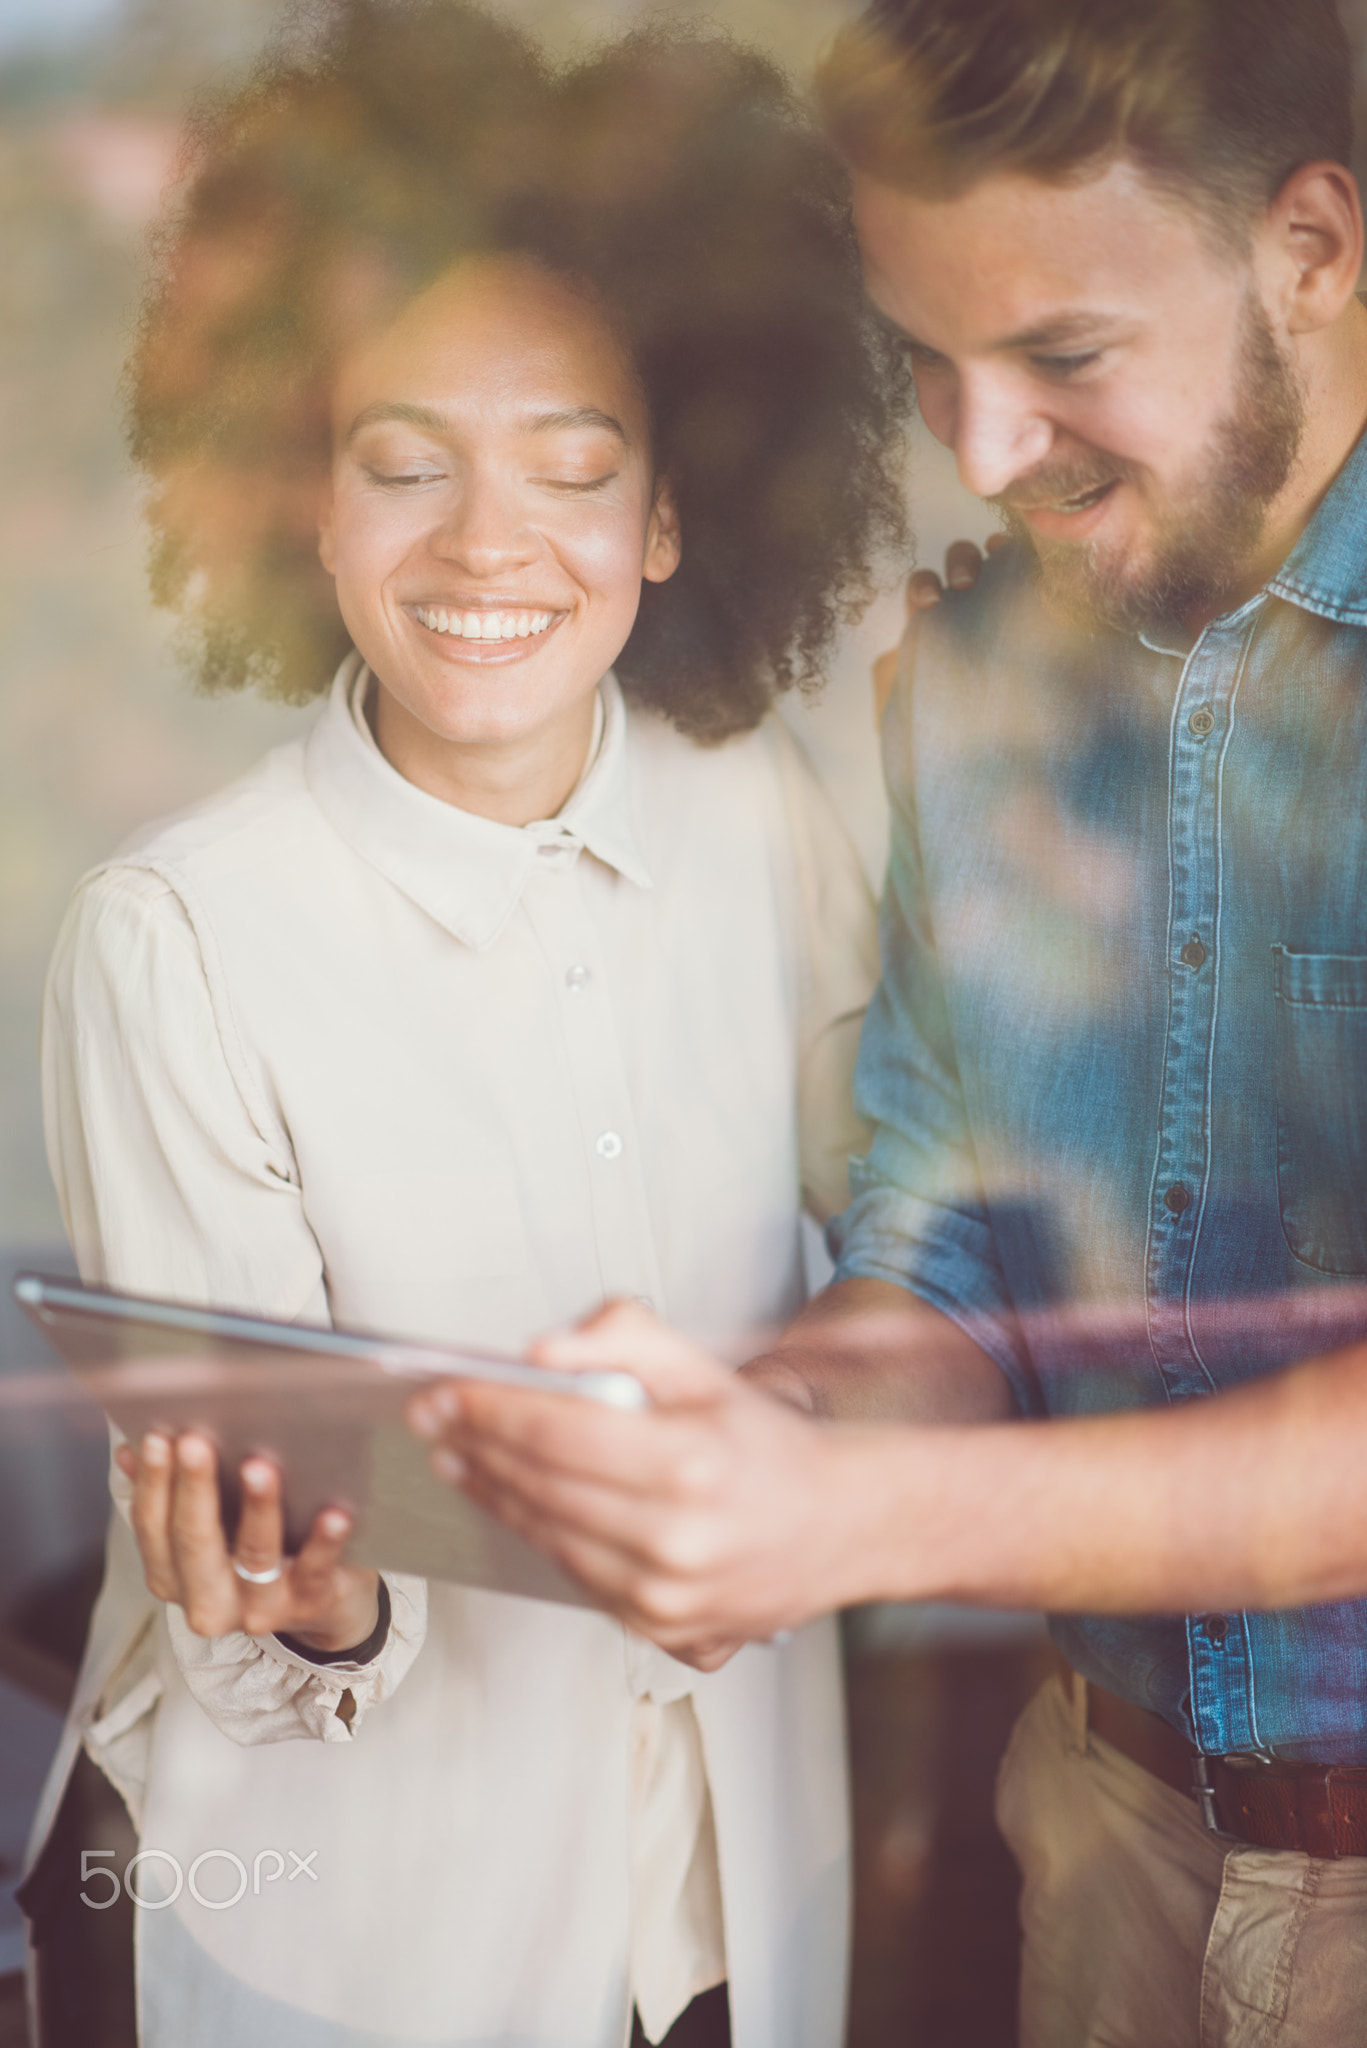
point(1053, 483)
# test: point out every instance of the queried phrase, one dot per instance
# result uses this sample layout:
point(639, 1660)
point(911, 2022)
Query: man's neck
point(1334, 367)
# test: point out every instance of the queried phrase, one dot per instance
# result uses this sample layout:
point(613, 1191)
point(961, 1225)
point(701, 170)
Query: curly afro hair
point(674, 176)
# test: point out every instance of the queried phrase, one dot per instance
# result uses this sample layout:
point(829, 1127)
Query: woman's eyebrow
point(396, 410)
point(406, 415)
point(578, 416)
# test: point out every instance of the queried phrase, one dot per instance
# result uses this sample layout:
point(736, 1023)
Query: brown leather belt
point(1318, 1808)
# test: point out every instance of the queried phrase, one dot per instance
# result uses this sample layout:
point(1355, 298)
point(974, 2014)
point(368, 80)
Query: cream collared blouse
point(327, 1047)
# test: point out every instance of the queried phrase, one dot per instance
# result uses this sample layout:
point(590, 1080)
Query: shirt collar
point(1326, 571)
point(466, 872)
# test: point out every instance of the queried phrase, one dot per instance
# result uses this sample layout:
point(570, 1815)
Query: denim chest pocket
point(1321, 1004)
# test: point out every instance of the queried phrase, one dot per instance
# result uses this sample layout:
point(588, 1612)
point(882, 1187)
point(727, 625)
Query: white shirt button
point(576, 979)
point(609, 1146)
point(557, 853)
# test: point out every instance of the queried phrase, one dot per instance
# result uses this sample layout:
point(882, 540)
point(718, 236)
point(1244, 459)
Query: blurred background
point(99, 732)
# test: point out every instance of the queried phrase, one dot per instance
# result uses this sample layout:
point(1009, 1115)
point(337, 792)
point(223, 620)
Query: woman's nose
point(483, 528)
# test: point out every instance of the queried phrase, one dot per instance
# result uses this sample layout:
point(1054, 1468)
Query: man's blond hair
point(1217, 101)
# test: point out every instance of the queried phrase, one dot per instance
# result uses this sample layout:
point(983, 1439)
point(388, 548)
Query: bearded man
point(1117, 1067)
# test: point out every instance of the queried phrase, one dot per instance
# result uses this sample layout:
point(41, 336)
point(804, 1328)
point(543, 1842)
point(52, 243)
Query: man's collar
point(466, 872)
point(1326, 571)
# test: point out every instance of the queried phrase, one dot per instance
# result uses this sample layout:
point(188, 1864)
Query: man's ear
point(1313, 237)
point(327, 534)
point(664, 546)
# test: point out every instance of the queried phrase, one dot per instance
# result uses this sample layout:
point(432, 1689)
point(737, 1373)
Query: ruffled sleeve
point(257, 1690)
point(176, 1180)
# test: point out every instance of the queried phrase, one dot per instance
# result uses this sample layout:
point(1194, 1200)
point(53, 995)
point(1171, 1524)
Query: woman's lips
point(486, 623)
point(485, 633)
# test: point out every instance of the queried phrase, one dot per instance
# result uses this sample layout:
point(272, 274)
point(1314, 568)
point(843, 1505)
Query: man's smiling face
point(1101, 374)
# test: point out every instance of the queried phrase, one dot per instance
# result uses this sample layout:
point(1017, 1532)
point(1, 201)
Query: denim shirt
point(1117, 1066)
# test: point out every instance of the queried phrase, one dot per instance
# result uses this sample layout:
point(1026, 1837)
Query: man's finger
point(608, 1510)
point(622, 1337)
point(705, 1654)
point(603, 1567)
point(704, 1660)
point(625, 1337)
point(646, 1582)
point(995, 541)
point(547, 1433)
point(651, 1603)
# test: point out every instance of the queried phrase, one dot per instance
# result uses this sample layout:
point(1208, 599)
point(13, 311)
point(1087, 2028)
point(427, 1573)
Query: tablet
point(325, 1405)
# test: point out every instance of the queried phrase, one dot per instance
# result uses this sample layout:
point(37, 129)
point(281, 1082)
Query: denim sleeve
point(918, 1216)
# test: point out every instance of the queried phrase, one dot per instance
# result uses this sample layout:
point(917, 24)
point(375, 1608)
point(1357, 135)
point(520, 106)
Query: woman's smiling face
point(491, 516)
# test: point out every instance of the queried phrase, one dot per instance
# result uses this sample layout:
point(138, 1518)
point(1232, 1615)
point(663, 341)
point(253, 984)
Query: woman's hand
point(179, 1530)
point(963, 567)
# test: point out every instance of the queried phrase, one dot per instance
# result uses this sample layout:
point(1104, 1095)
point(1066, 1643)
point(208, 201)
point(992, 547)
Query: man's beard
point(1199, 554)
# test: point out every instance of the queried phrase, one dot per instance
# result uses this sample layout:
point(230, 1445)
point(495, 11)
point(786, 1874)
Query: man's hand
point(963, 566)
point(719, 1516)
point(185, 1555)
point(722, 1515)
point(740, 1504)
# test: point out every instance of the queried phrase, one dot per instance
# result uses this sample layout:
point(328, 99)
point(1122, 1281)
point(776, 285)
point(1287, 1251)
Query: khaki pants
point(1141, 1930)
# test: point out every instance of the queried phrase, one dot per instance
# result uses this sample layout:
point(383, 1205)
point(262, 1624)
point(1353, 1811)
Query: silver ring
point(269, 1578)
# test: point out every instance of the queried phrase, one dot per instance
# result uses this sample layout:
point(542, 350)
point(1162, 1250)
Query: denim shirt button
point(1177, 1198)
point(1201, 722)
point(1216, 1627)
point(1193, 954)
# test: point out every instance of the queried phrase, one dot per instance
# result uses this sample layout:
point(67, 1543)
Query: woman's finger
point(312, 1574)
point(963, 565)
point(923, 589)
point(150, 1513)
point(260, 1542)
point(198, 1545)
point(259, 1547)
point(884, 681)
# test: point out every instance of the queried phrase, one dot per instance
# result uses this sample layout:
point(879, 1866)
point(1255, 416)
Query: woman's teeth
point(483, 625)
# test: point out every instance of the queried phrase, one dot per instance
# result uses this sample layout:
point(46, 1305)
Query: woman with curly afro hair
point(533, 422)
